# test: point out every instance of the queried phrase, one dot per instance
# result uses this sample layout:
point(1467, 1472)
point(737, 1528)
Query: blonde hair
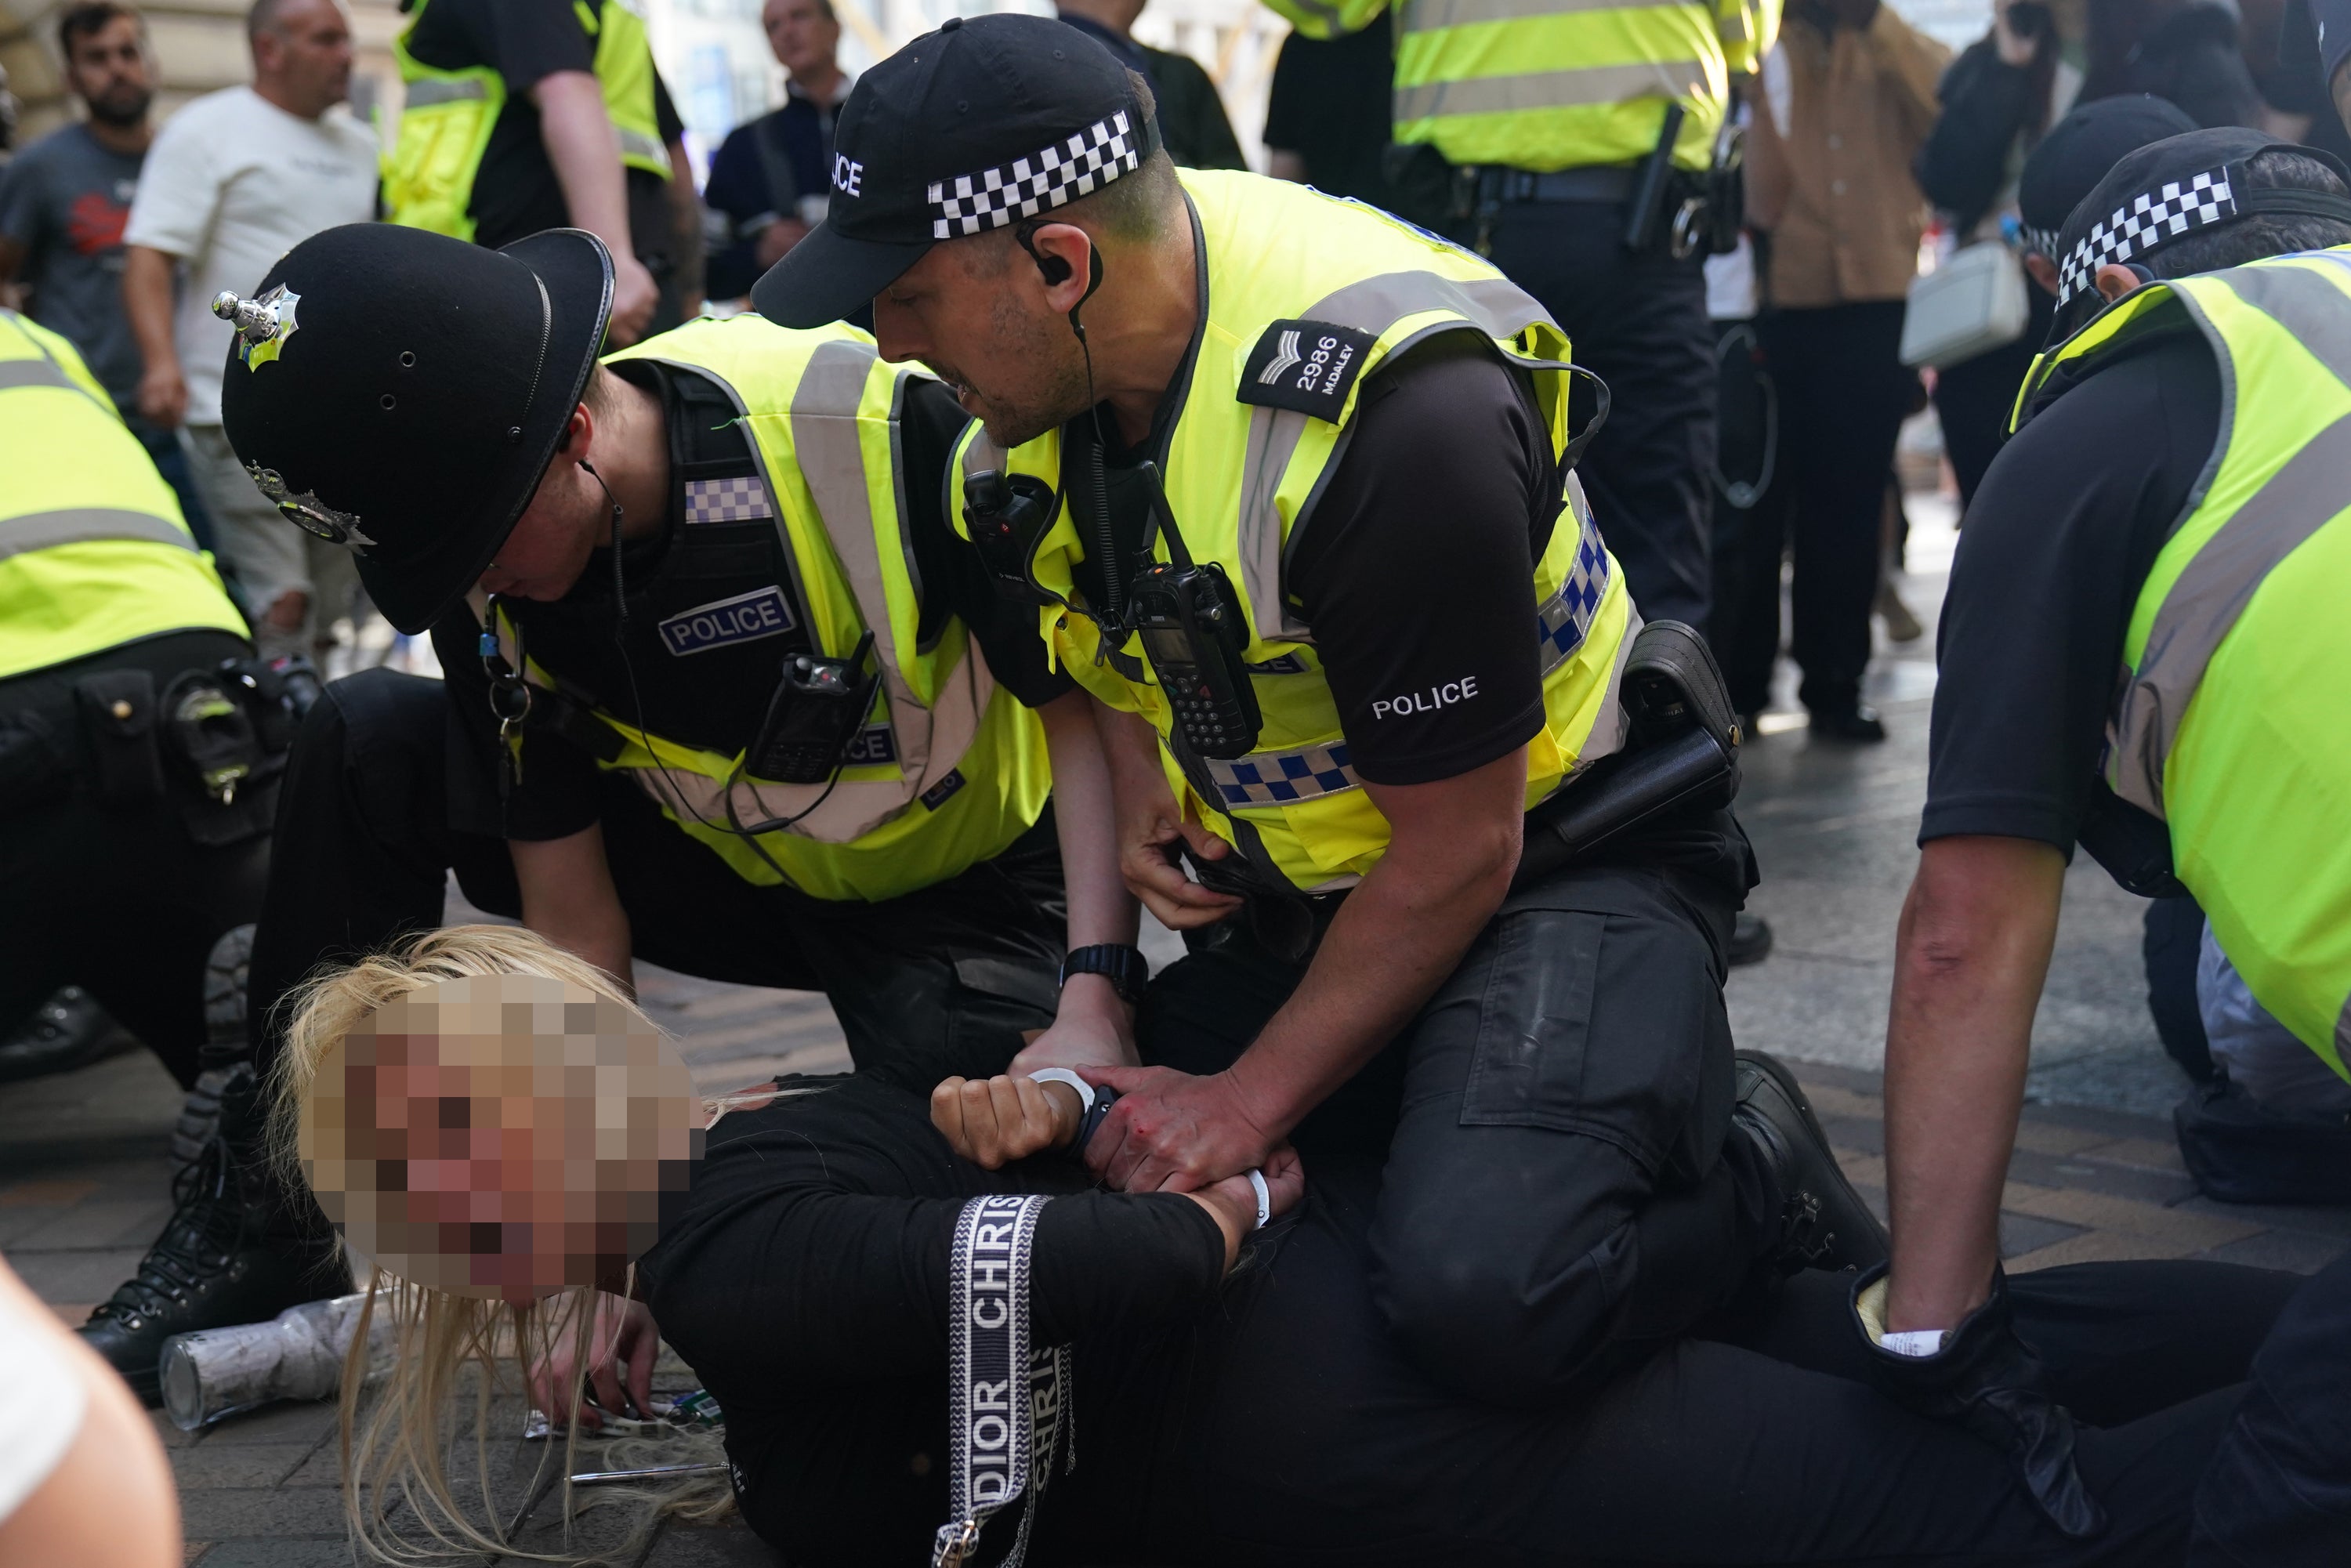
point(398, 1435)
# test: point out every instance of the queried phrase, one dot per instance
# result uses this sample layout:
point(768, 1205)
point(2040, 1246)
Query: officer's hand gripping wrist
point(1987, 1380)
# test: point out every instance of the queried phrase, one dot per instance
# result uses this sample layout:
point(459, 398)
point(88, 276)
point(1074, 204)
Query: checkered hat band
point(2042, 240)
point(2148, 220)
point(1076, 166)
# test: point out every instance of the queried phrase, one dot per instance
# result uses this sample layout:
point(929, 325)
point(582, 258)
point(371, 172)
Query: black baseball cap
point(401, 392)
point(988, 120)
point(2076, 154)
point(2181, 185)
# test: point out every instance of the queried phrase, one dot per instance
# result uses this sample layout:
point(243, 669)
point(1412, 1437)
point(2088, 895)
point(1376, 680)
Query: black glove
point(1986, 1380)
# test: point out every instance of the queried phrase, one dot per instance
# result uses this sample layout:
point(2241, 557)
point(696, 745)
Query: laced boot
point(225, 1047)
point(1824, 1224)
point(238, 1248)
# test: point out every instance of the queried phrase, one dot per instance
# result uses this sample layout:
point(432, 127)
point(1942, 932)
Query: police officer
point(1549, 110)
point(137, 763)
point(513, 109)
point(718, 689)
point(1285, 478)
point(2169, 507)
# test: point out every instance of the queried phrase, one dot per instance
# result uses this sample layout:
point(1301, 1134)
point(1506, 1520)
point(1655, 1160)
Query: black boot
point(237, 1250)
point(225, 1047)
point(1826, 1224)
point(69, 1030)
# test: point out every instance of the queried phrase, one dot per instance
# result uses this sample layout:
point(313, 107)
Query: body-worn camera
point(1006, 517)
point(819, 708)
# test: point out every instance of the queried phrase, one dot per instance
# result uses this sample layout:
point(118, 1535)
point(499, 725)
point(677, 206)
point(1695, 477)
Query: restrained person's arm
point(1453, 845)
point(568, 898)
point(1971, 955)
point(585, 149)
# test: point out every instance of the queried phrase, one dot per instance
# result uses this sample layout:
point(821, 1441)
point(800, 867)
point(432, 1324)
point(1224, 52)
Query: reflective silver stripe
point(1328, 13)
point(40, 372)
point(2343, 1034)
point(87, 525)
point(636, 143)
point(2212, 590)
point(1495, 306)
point(1431, 15)
point(1551, 90)
point(439, 90)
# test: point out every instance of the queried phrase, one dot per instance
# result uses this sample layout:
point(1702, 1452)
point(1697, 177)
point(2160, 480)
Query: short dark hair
point(87, 18)
point(2263, 234)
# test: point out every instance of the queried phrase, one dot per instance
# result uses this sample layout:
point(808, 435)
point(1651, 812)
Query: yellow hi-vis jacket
point(444, 128)
point(93, 550)
point(1242, 479)
point(2229, 720)
point(1558, 84)
point(966, 772)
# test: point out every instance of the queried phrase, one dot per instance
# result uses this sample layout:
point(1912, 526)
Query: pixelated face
point(505, 1136)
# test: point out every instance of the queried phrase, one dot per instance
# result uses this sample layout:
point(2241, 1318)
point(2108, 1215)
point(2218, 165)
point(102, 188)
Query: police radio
point(1194, 634)
point(819, 708)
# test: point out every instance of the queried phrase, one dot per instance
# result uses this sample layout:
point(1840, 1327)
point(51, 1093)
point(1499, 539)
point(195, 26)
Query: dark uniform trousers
point(938, 982)
point(114, 894)
point(2278, 1494)
point(1638, 322)
point(1563, 1192)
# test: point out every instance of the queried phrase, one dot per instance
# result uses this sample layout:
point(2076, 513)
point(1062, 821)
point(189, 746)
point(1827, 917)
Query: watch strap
point(1124, 966)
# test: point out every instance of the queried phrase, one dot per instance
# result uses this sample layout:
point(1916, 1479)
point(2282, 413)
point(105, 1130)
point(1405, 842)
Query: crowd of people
point(986, 511)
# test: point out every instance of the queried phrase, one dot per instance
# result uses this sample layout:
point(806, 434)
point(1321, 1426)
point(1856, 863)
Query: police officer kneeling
point(714, 690)
point(2145, 653)
point(1395, 629)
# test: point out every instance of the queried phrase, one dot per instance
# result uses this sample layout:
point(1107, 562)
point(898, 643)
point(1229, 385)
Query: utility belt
point(1665, 207)
point(1681, 754)
point(216, 740)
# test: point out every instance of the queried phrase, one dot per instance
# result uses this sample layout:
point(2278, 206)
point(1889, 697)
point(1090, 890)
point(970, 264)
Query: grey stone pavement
point(84, 1184)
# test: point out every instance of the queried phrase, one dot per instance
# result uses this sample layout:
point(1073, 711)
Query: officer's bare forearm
point(1971, 955)
point(147, 301)
point(585, 149)
point(1085, 817)
point(1453, 847)
point(568, 898)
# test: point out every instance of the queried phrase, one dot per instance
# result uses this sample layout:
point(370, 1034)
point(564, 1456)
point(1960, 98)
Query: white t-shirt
point(232, 183)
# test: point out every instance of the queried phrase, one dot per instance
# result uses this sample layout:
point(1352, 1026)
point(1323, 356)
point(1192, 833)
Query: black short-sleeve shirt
point(2057, 544)
point(514, 192)
point(1415, 570)
point(710, 692)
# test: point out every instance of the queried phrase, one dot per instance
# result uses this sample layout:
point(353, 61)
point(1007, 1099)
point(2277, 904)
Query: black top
point(1446, 446)
point(759, 174)
point(712, 615)
point(2059, 540)
point(1331, 104)
point(515, 192)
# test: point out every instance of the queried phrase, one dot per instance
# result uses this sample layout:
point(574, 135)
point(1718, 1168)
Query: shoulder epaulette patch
point(1308, 366)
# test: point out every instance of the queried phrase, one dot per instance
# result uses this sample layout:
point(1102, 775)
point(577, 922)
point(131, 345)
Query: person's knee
point(1496, 1322)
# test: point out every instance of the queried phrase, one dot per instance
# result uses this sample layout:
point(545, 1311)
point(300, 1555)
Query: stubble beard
point(1062, 393)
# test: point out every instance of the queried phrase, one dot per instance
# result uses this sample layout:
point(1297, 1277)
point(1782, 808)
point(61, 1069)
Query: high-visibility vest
point(445, 127)
point(1243, 477)
point(1558, 84)
point(968, 774)
point(93, 550)
point(2229, 725)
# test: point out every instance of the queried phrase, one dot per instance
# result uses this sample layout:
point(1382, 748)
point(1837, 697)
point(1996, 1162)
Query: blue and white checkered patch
point(1565, 620)
point(1282, 778)
point(743, 500)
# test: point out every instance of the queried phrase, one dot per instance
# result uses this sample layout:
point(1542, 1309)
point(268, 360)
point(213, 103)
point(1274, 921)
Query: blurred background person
point(1326, 125)
point(2186, 52)
point(1192, 124)
point(1847, 101)
point(525, 115)
point(63, 203)
point(234, 181)
point(770, 179)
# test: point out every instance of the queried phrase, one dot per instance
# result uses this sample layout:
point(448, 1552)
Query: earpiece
point(1055, 271)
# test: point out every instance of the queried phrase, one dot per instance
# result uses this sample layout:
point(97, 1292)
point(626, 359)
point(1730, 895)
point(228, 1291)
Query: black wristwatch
point(1126, 968)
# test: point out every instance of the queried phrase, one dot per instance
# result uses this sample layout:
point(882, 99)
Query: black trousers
point(1974, 399)
point(1843, 392)
point(1562, 1191)
point(1640, 323)
point(119, 899)
point(936, 983)
point(2279, 1492)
